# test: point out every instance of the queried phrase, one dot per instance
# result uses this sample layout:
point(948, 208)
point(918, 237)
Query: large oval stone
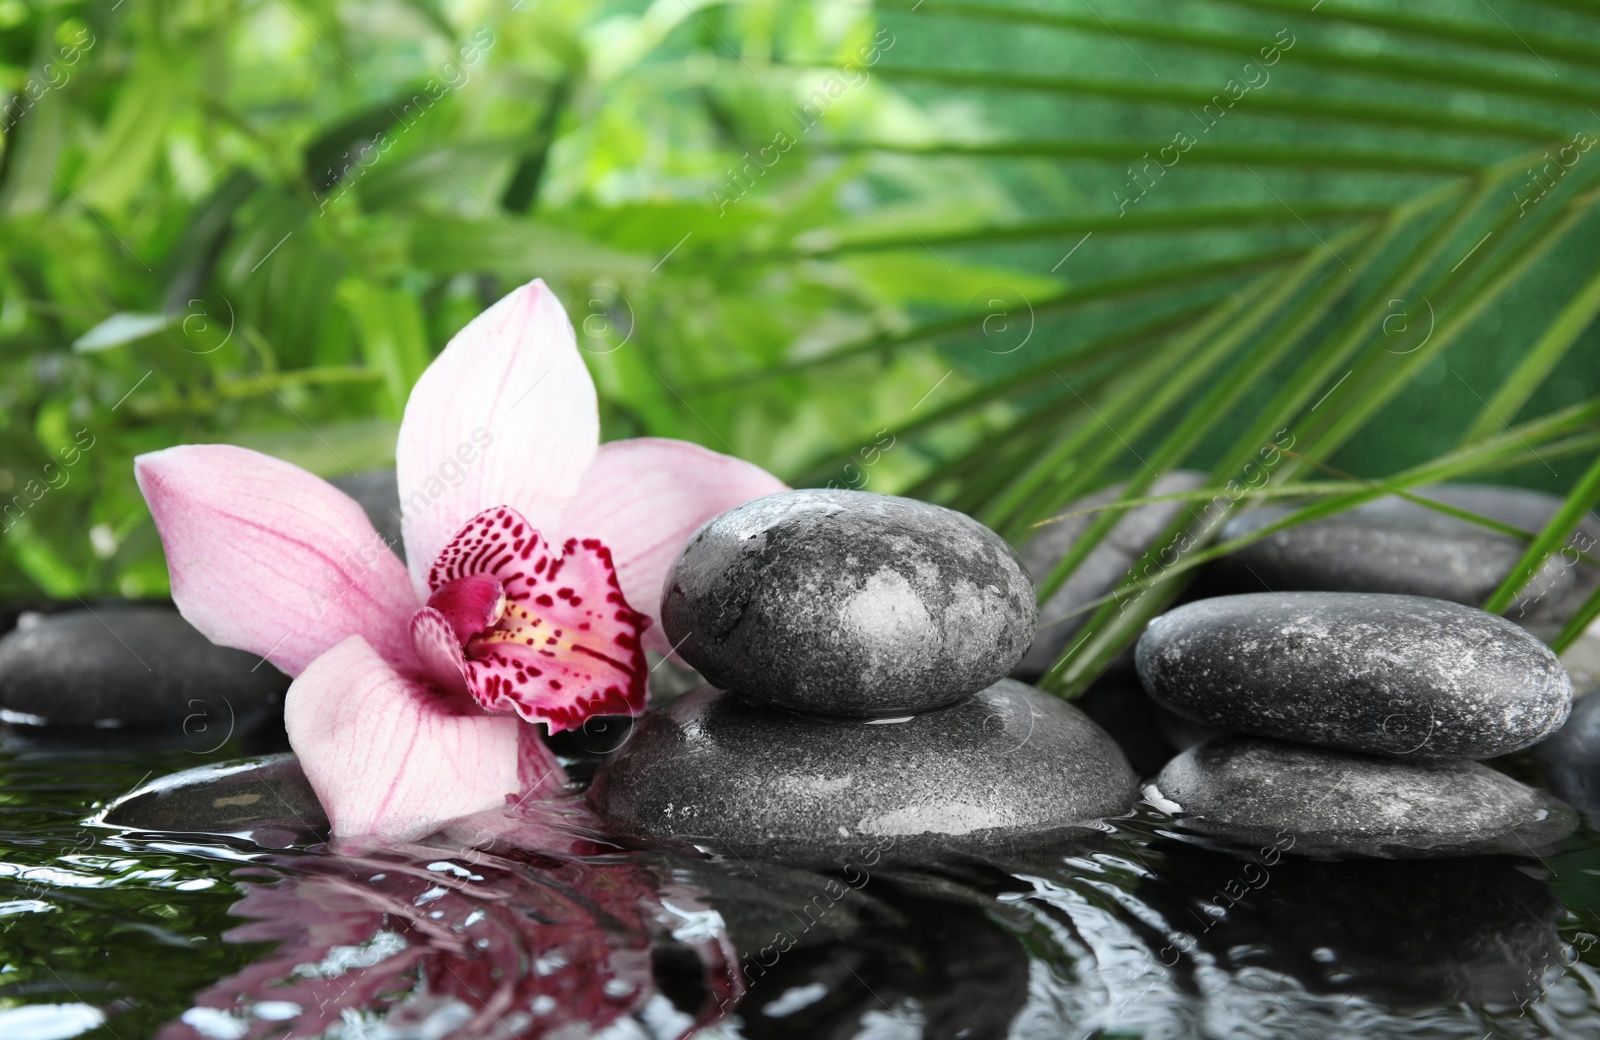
point(133, 666)
point(1397, 546)
point(1314, 801)
point(1572, 758)
point(1394, 675)
point(848, 603)
point(266, 799)
point(1011, 767)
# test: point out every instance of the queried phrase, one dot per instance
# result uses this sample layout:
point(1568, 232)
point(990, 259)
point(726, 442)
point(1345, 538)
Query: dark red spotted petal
point(438, 650)
point(568, 644)
point(497, 543)
point(470, 604)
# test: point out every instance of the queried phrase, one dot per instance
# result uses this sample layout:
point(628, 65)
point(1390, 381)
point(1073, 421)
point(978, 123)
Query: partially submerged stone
point(1394, 675)
point(132, 666)
point(1394, 545)
point(1009, 768)
point(1572, 758)
point(266, 799)
point(1311, 801)
point(848, 603)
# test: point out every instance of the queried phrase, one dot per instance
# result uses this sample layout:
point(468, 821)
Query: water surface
point(1136, 933)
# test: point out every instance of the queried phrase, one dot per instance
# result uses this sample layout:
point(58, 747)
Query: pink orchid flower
point(536, 557)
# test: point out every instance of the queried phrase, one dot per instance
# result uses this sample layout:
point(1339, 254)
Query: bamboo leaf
point(1483, 35)
point(1293, 214)
point(1226, 391)
point(1124, 287)
point(1535, 366)
point(1214, 154)
point(1288, 104)
point(1395, 66)
point(1123, 345)
point(1578, 502)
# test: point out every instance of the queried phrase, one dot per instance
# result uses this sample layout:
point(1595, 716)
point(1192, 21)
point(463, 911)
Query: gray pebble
point(1313, 801)
point(1582, 661)
point(848, 603)
point(1572, 758)
point(1394, 545)
point(1102, 569)
point(132, 666)
point(266, 799)
point(1395, 675)
point(1009, 768)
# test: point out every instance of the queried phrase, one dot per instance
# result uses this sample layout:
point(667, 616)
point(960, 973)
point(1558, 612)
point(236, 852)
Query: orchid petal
point(643, 498)
point(270, 559)
point(567, 646)
point(439, 650)
point(388, 755)
point(539, 771)
point(506, 415)
point(470, 604)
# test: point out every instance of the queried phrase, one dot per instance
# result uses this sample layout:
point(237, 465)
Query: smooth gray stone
point(1394, 545)
point(132, 666)
point(377, 492)
point(1582, 661)
point(1102, 570)
point(848, 603)
point(1009, 768)
point(1312, 801)
point(1393, 675)
point(266, 799)
point(1572, 759)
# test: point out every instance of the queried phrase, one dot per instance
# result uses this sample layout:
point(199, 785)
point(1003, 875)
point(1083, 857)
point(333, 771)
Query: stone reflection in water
point(420, 941)
point(1405, 934)
point(822, 959)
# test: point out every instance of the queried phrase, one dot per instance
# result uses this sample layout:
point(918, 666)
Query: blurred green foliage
point(993, 255)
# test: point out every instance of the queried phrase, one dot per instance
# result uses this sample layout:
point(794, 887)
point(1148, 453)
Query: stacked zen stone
point(1358, 717)
point(856, 647)
point(132, 667)
point(1396, 545)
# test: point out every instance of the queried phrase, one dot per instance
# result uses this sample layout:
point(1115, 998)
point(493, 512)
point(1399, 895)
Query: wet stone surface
point(1572, 758)
point(848, 603)
point(1104, 567)
point(1394, 675)
point(1394, 545)
point(1009, 768)
point(132, 666)
point(1321, 802)
point(266, 799)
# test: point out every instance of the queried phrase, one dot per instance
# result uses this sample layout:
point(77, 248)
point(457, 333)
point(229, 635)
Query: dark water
point(1133, 934)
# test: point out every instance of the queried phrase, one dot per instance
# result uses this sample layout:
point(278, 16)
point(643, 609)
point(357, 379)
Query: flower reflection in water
point(447, 939)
